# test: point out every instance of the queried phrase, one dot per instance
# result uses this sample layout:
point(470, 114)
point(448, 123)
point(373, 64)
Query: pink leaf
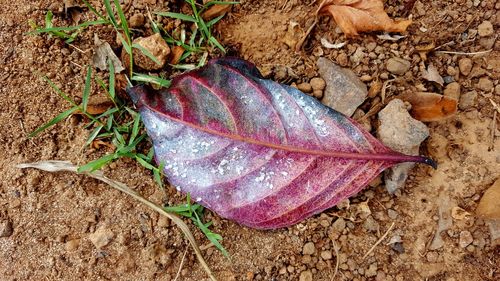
point(256, 151)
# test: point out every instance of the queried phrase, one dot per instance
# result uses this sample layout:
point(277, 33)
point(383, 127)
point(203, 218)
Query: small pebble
point(309, 249)
point(306, 276)
point(465, 66)
point(485, 29)
point(392, 214)
point(465, 239)
point(326, 255)
point(398, 66)
point(452, 90)
point(101, 237)
point(72, 245)
point(136, 20)
point(6, 228)
point(485, 84)
point(318, 84)
point(467, 100)
point(305, 87)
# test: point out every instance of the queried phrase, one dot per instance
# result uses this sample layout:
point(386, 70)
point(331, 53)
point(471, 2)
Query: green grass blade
point(144, 163)
point(48, 19)
point(87, 88)
point(208, 4)
point(123, 20)
point(54, 121)
point(135, 128)
point(147, 53)
point(214, 21)
point(151, 79)
point(97, 164)
point(126, 45)
point(90, 7)
point(111, 86)
point(217, 44)
point(177, 16)
point(93, 135)
point(67, 28)
point(111, 15)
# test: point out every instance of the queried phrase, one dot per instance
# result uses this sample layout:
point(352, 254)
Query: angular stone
point(344, 91)
point(398, 66)
point(399, 131)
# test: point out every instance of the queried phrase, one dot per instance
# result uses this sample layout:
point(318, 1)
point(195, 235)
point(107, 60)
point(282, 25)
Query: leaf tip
point(429, 162)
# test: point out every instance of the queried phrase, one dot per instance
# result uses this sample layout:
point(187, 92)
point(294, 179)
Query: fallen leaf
point(390, 37)
point(354, 16)
point(429, 107)
point(103, 53)
point(458, 213)
point(325, 43)
point(176, 54)
point(432, 75)
point(424, 49)
point(293, 34)
point(97, 144)
point(98, 104)
point(255, 151)
point(489, 205)
point(215, 11)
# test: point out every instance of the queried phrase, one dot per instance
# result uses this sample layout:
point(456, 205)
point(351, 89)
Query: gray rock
point(6, 228)
point(467, 100)
point(465, 239)
point(306, 276)
point(101, 237)
point(344, 91)
point(399, 131)
point(398, 66)
point(309, 249)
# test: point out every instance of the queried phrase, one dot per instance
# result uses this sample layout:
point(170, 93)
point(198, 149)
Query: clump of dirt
point(57, 220)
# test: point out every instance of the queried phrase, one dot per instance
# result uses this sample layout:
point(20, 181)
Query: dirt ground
point(52, 215)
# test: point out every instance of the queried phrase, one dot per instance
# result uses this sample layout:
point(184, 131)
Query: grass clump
point(120, 126)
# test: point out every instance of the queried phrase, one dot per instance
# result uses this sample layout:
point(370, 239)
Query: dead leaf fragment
point(293, 34)
point(103, 53)
point(432, 75)
point(428, 107)
point(176, 54)
point(325, 43)
point(215, 11)
point(354, 16)
point(98, 104)
point(489, 205)
point(458, 213)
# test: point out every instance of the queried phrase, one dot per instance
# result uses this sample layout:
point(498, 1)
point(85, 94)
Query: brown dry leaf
point(98, 104)
point(176, 54)
point(354, 16)
point(97, 144)
point(489, 206)
point(429, 107)
point(424, 49)
point(432, 75)
point(215, 11)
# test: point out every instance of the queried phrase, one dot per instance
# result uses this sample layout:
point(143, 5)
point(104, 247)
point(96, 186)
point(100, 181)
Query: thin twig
point(337, 263)
point(180, 266)
point(299, 44)
point(57, 166)
point(78, 49)
point(379, 241)
point(465, 53)
point(493, 130)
